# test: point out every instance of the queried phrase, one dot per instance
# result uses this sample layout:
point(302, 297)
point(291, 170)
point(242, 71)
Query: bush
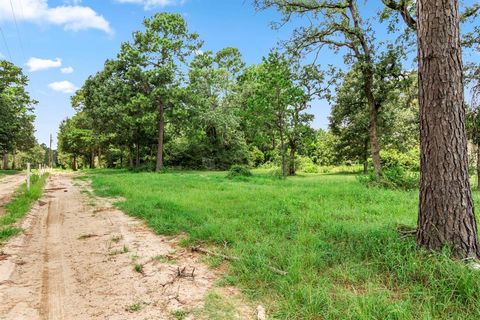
point(255, 157)
point(144, 167)
point(239, 171)
point(409, 160)
point(392, 178)
point(306, 165)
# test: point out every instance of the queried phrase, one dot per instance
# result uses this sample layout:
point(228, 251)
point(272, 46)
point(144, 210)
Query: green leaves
point(16, 109)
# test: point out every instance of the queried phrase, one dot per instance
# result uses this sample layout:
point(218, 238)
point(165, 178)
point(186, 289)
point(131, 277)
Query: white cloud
point(67, 70)
point(149, 4)
point(72, 16)
point(38, 64)
point(63, 86)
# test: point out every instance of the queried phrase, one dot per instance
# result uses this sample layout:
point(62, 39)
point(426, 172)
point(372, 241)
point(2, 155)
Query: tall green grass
point(20, 205)
point(336, 239)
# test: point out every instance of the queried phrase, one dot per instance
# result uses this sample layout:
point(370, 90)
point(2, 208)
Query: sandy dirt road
point(80, 258)
point(8, 185)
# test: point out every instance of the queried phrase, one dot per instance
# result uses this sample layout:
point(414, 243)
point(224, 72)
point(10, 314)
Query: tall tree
point(214, 124)
point(446, 215)
point(16, 111)
point(165, 43)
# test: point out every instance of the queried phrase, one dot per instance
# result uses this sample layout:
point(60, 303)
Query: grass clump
point(336, 239)
point(239, 171)
point(20, 205)
point(8, 232)
point(134, 307)
point(180, 314)
point(395, 178)
point(138, 268)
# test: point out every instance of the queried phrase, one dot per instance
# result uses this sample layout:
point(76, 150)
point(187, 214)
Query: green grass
point(8, 172)
point(337, 240)
point(19, 206)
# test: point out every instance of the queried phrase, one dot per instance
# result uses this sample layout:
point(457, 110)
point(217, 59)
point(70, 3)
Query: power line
point(24, 33)
point(18, 31)
point(5, 42)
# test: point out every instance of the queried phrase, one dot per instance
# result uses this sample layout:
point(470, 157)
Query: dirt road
point(8, 185)
point(80, 258)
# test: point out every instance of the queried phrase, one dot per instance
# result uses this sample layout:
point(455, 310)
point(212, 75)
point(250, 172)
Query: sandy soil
point(8, 185)
point(80, 258)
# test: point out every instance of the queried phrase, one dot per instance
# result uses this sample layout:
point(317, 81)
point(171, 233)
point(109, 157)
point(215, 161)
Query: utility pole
point(50, 153)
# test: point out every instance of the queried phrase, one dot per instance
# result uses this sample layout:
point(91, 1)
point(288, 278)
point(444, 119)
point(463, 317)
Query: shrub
point(239, 171)
point(144, 167)
point(306, 165)
point(276, 173)
point(409, 160)
point(255, 157)
point(392, 178)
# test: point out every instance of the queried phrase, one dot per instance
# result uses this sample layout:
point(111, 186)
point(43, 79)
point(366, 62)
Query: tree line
point(163, 100)
point(17, 141)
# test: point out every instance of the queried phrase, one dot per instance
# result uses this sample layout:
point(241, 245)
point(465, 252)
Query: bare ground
point(8, 185)
point(80, 258)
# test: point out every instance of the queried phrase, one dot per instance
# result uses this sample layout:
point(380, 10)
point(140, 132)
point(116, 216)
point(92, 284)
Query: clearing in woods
point(80, 258)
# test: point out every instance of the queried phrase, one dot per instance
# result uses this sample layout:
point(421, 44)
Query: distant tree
point(214, 122)
point(75, 139)
point(16, 112)
point(397, 120)
point(276, 96)
point(157, 53)
point(309, 83)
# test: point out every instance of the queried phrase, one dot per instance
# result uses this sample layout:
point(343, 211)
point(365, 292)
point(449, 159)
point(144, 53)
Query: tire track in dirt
point(77, 261)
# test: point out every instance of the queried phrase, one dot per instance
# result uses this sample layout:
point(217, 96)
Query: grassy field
point(336, 239)
point(19, 206)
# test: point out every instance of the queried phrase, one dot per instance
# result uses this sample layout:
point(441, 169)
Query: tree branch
point(402, 8)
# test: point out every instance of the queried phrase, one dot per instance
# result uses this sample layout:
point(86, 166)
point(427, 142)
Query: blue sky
point(71, 39)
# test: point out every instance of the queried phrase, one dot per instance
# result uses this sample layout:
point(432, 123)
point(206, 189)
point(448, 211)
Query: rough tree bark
point(446, 215)
point(161, 129)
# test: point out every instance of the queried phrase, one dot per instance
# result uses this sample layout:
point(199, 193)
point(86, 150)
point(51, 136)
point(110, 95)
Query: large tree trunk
point(446, 215)
point(161, 129)
point(5, 160)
